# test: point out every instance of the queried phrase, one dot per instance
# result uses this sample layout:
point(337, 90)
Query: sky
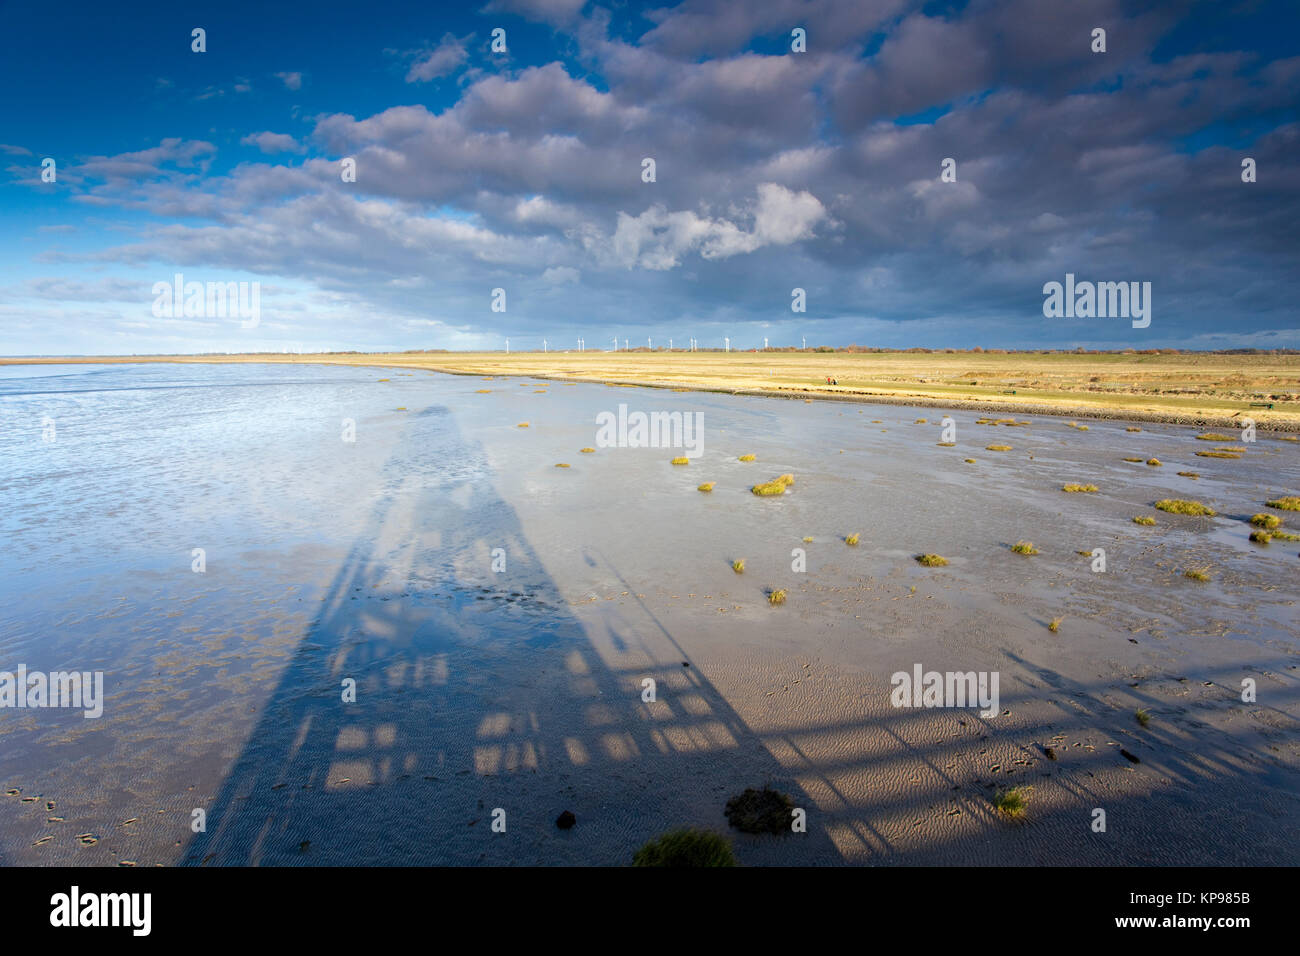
point(524, 170)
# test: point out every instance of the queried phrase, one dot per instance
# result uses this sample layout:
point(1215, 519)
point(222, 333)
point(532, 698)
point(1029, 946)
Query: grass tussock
point(931, 560)
point(1055, 624)
point(1286, 536)
point(1194, 475)
point(562, 464)
point(483, 391)
point(746, 458)
point(776, 486)
point(1024, 547)
point(970, 461)
point(522, 425)
point(738, 565)
point(707, 486)
point(919, 421)
point(1266, 521)
point(1155, 462)
point(1197, 574)
point(1289, 503)
point(807, 540)
point(1011, 803)
point(946, 444)
point(1144, 519)
point(997, 448)
point(1143, 716)
point(1079, 488)
point(686, 848)
point(1215, 436)
point(1259, 536)
point(851, 539)
point(1181, 506)
point(1217, 454)
point(587, 451)
point(1132, 428)
point(1134, 460)
point(776, 597)
point(681, 461)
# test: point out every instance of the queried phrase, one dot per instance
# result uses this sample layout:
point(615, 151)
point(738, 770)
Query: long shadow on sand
point(476, 691)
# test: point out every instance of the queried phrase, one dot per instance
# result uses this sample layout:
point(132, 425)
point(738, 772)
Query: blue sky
point(522, 171)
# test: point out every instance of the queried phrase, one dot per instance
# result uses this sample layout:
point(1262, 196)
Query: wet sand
point(521, 690)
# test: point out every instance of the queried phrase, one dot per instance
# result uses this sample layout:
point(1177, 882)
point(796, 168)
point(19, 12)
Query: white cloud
point(292, 81)
point(269, 142)
point(444, 59)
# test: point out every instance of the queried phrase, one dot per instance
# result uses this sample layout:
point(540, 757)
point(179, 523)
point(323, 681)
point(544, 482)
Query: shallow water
point(372, 560)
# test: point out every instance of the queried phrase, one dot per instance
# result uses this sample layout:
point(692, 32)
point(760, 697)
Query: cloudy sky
point(774, 169)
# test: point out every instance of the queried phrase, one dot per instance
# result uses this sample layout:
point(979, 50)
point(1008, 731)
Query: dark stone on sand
point(1128, 756)
point(760, 811)
point(1050, 752)
point(566, 820)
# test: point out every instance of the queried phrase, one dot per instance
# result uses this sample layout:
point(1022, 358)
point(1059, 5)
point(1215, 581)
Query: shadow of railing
point(475, 691)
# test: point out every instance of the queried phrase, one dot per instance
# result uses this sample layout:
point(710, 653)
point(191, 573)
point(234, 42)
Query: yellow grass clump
point(1079, 488)
point(1266, 521)
point(851, 539)
point(1144, 519)
point(931, 560)
point(746, 458)
point(997, 447)
point(562, 464)
point(587, 451)
point(1180, 506)
point(776, 597)
point(738, 565)
point(522, 425)
point(1024, 547)
point(1288, 503)
point(707, 486)
point(1154, 462)
point(1215, 436)
point(681, 461)
point(1011, 803)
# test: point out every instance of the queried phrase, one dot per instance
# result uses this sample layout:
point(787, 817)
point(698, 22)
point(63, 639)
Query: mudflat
point(501, 616)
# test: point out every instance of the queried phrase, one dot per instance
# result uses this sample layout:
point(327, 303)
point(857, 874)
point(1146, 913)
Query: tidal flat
point(500, 618)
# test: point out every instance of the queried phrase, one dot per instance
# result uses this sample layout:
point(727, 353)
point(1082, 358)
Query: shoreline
point(845, 393)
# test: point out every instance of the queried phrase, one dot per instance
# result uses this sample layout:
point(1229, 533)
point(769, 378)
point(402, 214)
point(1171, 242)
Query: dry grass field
point(1201, 388)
